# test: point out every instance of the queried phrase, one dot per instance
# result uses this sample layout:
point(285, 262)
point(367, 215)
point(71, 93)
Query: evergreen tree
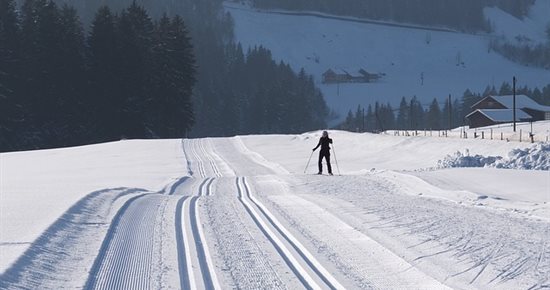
point(416, 115)
point(446, 113)
point(9, 29)
point(41, 45)
point(171, 114)
point(505, 89)
point(105, 101)
point(403, 114)
point(71, 78)
point(135, 42)
point(433, 117)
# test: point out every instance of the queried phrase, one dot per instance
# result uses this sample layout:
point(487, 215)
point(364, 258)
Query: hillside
point(428, 64)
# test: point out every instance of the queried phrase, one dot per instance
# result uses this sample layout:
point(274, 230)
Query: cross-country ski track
point(236, 219)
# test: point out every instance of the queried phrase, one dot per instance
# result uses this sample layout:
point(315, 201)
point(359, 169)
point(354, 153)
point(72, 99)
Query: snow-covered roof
point(502, 115)
point(522, 101)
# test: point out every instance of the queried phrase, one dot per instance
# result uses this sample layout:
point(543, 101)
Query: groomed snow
point(37, 187)
point(240, 213)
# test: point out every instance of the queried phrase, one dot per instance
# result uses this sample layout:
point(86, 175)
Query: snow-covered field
point(239, 212)
point(449, 64)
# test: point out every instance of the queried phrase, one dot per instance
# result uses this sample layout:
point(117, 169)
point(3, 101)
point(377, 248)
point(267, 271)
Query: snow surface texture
point(449, 63)
point(221, 213)
point(536, 157)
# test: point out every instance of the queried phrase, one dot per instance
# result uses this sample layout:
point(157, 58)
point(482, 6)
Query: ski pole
point(308, 161)
point(336, 159)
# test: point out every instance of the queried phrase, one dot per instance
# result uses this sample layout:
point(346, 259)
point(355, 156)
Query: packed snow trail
point(126, 259)
point(383, 269)
point(309, 270)
point(302, 263)
point(70, 244)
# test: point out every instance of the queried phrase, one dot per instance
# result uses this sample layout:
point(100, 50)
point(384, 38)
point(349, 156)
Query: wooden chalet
point(493, 110)
point(342, 76)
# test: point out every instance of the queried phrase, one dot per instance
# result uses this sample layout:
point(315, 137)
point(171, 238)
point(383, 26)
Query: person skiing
point(325, 152)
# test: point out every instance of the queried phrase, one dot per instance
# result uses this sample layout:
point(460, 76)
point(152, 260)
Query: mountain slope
point(421, 62)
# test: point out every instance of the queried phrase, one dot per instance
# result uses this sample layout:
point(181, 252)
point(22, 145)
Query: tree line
point(463, 15)
point(260, 96)
point(436, 115)
point(243, 90)
point(524, 53)
point(129, 77)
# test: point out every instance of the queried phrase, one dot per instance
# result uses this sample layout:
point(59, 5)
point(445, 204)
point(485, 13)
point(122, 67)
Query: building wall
point(537, 115)
point(479, 120)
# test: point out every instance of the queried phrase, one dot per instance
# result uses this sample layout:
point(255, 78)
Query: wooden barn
point(342, 76)
point(493, 110)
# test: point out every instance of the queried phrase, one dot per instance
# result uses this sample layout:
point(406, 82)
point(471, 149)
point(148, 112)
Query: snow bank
point(536, 157)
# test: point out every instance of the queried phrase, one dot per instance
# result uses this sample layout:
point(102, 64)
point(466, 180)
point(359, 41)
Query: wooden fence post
point(519, 135)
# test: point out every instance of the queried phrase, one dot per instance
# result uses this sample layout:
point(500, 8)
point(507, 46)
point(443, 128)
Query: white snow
point(536, 157)
point(449, 64)
point(240, 213)
point(37, 187)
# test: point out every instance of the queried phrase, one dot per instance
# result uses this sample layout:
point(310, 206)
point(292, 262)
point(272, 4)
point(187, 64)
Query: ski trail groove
point(303, 275)
point(125, 257)
point(195, 261)
point(182, 263)
point(209, 156)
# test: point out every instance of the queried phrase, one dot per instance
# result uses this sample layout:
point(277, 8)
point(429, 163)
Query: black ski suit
point(325, 152)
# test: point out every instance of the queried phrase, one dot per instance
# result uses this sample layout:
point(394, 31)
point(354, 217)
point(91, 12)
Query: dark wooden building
point(342, 76)
point(493, 110)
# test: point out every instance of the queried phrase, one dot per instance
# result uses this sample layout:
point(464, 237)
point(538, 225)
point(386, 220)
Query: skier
point(325, 152)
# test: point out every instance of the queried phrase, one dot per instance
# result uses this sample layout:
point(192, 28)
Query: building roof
point(522, 102)
point(502, 115)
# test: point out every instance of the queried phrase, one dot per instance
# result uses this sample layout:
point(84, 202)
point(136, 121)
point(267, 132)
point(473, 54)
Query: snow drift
point(536, 157)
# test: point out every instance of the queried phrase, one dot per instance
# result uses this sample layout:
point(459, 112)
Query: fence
point(501, 133)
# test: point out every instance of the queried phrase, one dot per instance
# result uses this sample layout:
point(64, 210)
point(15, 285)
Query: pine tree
point(105, 102)
point(71, 79)
point(505, 89)
point(135, 34)
point(403, 114)
point(9, 110)
point(433, 117)
point(40, 43)
point(171, 115)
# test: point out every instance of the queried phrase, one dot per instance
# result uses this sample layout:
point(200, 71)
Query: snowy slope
point(317, 44)
point(238, 212)
point(531, 30)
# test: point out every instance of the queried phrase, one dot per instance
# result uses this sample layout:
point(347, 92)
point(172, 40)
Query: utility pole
point(363, 119)
point(514, 90)
point(450, 113)
point(411, 114)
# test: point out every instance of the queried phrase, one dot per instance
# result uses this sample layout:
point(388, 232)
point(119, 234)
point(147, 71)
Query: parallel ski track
point(194, 249)
point(302, 263)
point(208, 154)
point(246, 198)
point(126, 256)
point(199, 161)
point(182, 253)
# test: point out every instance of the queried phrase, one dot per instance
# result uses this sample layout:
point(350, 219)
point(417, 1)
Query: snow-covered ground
point(449, 64)
point(239, 212)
